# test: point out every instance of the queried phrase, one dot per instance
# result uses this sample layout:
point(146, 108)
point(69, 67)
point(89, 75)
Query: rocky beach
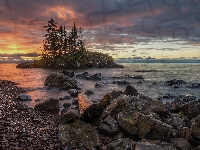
point(121, 119)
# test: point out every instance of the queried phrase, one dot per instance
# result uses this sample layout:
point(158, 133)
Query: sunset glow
point(123, 28)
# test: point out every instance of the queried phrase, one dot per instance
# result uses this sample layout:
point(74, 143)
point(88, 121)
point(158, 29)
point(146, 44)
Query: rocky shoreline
point(120, 120)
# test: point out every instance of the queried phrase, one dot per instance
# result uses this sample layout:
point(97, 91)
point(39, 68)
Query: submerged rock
point(56, 79)
point(23, 97)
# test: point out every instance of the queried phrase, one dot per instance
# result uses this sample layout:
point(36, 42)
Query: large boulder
point(144, 127)
point(56, 79)
point(90, 111)
point(79, 132)
point(156, 107)
point(50, 106)
point(130, 90)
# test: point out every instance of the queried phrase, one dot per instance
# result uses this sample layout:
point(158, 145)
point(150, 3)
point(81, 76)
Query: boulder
point(114, 94)
point(156, 107)
point(79, 132)
point(83, 102)
point(90, 111)
point(122, 144)
point(181, 143)
point(50, 106)
point(56, 79)
point(23, 97)
point(191, 109)
point(175, 122)
point(185, 133)
point(69, 117)
point(144, 127)
point(130, 90)
point(108, 126)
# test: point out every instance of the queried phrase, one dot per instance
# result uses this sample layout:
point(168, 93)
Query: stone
point(147, 146)
point(145, 127)
point(175, 122)
point(88, 92)
point(56, 79)
point(66, 105)
point(156, 107)
point(130, 90)
point(120, 82)
point(83, 102)
point(50, 106)
point(114, 94)
point(69, 117)
point(108, 126)
point(70, 74)
point(73, 92)
point(185, 133)
point(122, 144)
point(195, 127)
point(79, 132)
point(181, 143)
point(23, 97)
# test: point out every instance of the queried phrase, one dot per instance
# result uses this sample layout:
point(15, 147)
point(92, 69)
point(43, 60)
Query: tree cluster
point(62, 48)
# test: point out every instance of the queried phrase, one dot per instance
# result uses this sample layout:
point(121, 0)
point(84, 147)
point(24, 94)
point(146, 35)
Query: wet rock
point(120, 82)
point(196, 148)
point(124, 143)
point(168, 95)
point(174, 82)
point(181, 143)
point(79, 132)
point(94, 77)
point(66, 105)
point(139, 82)
point(70, 74)
point(100, 84)
point(73, 92)
point(156, 107)
point(23, 97)
point(135, 77)
point(56, 79)
point(69, 117)
point(74, 102)
point(130, 90)
point(88, 92)
point(50, 106)
point(145, 127)
point(108, 126)
point(193, 85)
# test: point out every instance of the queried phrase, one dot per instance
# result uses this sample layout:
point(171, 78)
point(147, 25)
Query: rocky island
point(63, 49)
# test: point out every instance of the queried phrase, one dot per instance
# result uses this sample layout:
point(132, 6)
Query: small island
point(65, 49)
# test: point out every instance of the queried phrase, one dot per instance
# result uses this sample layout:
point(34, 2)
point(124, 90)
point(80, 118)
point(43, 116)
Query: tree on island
point(65, 49)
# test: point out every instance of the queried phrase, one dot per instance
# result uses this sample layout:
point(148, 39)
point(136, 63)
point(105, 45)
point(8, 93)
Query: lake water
point(34, 78)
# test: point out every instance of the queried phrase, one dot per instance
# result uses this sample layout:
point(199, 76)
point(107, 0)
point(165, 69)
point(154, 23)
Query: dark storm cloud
point(105, 21)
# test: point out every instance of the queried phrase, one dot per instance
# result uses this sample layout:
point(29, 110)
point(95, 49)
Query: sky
point(122, 28)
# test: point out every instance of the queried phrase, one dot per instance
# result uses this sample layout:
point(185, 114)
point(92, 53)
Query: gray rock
point(181, 143)
point(73, 92)
point(145, 127)
point(23, 97)
point(147, 146)
point(195, 127)
point(108, 126)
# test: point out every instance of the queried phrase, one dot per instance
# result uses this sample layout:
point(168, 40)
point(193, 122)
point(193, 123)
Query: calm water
point(33, 79)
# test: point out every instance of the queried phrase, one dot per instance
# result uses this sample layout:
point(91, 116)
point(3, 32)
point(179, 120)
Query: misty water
point(33, 79)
